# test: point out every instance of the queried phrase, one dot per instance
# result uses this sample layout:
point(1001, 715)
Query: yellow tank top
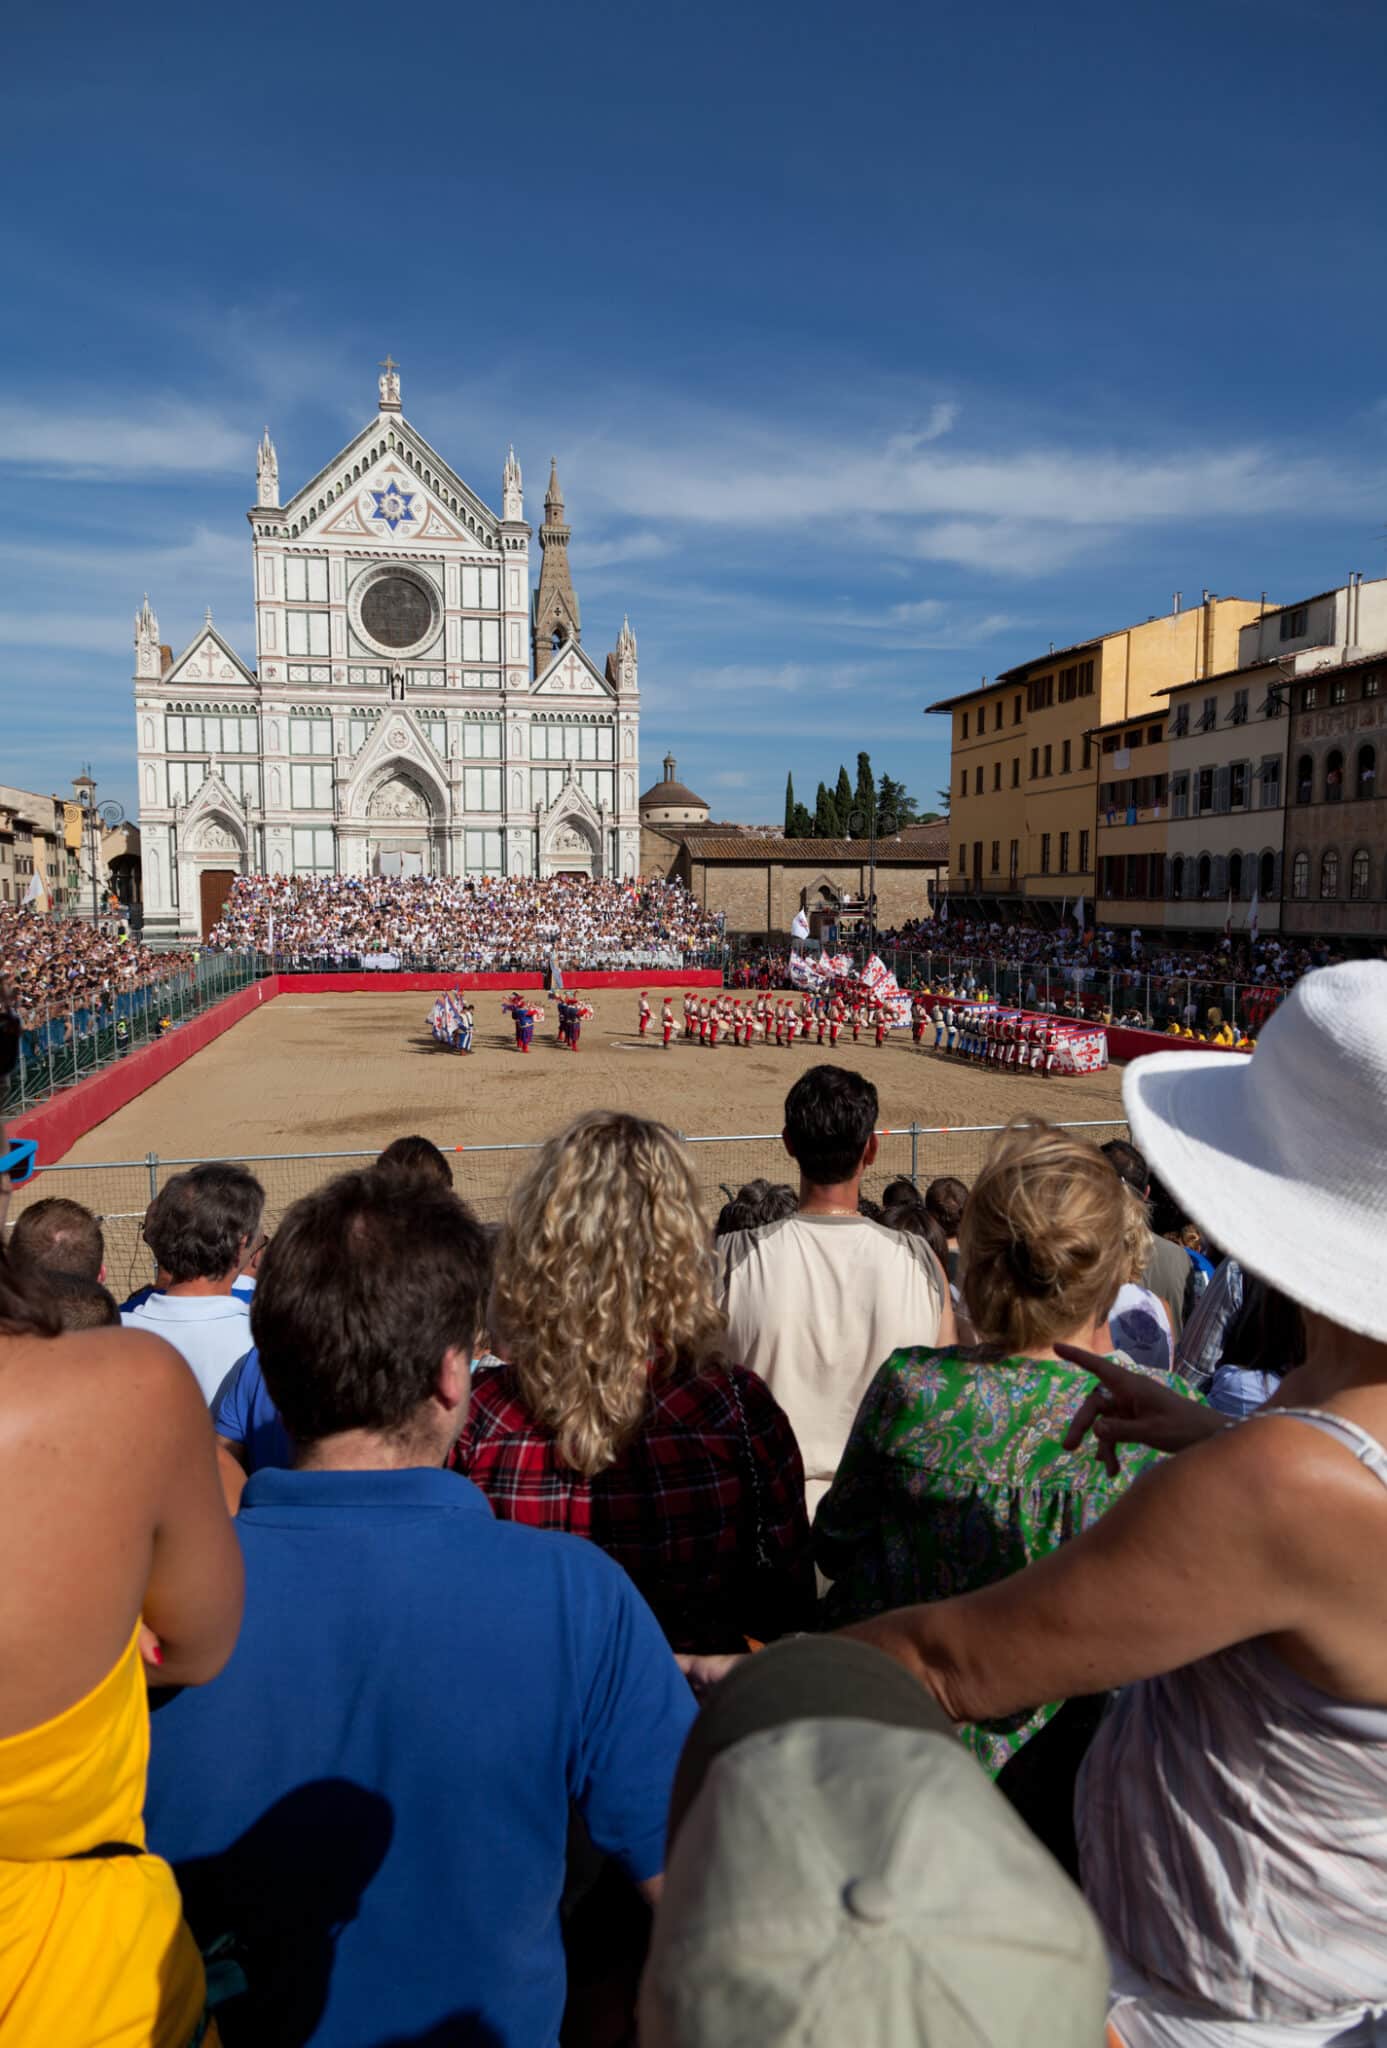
point(93, 1950)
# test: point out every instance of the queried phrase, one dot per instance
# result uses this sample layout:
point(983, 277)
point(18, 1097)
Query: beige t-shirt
point(814, 1305)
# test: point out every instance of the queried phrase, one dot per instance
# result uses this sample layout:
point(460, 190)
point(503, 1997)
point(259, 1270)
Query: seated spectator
point(838, 1871)
point(760, 1201)
point(1230, 1811)
point(109, 1518)
point(374, 1796)
point(82, 1304)
point(816, 1301)
point(201, 1227)
point(617, 1417)
point(61, 1237)
point(1168, 1271)
point(953, 1475)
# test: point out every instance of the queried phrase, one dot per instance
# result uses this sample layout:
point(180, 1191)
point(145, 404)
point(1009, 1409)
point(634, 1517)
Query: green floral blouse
point(954, 1476)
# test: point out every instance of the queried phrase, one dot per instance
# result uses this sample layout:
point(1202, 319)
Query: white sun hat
point(1282, 1157)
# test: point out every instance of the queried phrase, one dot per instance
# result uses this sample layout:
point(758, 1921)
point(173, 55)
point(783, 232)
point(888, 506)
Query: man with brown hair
point(60, 1237)
point(203, 1227)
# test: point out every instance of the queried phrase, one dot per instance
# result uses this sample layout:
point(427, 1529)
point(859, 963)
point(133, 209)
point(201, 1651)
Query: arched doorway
point(214, 886)
point(400, 823)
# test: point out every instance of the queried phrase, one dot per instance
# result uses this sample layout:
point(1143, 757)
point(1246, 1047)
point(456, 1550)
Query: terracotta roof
point(904, 852)
point(671, 793)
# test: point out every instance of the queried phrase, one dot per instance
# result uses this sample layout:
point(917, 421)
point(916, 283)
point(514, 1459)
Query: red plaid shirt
point(681, 1509)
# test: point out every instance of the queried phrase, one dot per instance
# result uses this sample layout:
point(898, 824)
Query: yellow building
point(1133, 816)
point(1023, 766)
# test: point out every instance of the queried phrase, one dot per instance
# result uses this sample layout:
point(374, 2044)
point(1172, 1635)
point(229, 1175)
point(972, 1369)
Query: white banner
point(799, 925)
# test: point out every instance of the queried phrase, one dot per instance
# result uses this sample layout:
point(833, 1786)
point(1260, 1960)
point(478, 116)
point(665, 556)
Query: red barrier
point(59, 1123)
point(431, 984)
point(1126, 1042)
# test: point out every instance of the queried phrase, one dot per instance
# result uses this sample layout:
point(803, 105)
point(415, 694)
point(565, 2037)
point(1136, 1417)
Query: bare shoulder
point(98, 1380)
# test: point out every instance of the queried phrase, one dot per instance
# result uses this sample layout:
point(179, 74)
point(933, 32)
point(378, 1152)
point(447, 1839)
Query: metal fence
point(118, 1191)
point(74, 1043)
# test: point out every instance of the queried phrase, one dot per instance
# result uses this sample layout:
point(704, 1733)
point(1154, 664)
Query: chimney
point(1175, 600)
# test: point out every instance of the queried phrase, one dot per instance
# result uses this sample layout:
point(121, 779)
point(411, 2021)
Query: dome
point(671, 801)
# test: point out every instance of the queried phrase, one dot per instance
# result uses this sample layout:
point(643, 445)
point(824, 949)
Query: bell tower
point(557, 619)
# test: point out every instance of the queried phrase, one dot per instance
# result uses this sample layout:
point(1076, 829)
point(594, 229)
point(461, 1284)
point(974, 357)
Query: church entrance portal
point(215, 885)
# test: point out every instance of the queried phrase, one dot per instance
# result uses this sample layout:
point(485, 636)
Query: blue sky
point(879, 347)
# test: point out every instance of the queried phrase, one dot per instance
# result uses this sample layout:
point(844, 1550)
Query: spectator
point(109, 1515)
point(617, 1417)
point(1269, 1336)
point(418, 1156)
point(420, 1690)
point(839, 1871)
point(944, 1199)
point(82, 1304)
point(1138, 1323)
point(61, 1237)
point(816, 1301)
point(1231, 1810)
point(760, 1201)
point(953, 1476)
point(1168, 1271)
point(201, 1227)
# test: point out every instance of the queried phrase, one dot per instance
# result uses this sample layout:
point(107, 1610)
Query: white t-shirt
point(814, 1305)
point(211, 1330)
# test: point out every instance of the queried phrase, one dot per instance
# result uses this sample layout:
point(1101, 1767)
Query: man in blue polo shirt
point(373, 1798)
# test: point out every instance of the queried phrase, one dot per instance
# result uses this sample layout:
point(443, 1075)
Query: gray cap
point(855, 1877)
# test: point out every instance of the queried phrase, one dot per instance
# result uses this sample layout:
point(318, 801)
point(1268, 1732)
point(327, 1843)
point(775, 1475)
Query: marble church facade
point(411, 707)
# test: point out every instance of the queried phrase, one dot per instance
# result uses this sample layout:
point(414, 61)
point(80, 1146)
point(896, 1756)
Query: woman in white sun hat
point(1232, 1813)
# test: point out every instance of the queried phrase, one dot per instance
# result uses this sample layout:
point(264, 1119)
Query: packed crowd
point(52, 966)
point(1072, 1727)
point(1267, 960)
point(456, 923)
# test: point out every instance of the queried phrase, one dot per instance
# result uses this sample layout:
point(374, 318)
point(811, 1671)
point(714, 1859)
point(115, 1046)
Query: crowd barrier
point(119, 1190)
point(317, 982)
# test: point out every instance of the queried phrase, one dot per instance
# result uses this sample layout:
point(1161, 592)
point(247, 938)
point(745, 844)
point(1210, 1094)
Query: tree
point(789, 806)
point(842, 799)
point(802, 824)
point(894, 800)
point(864, 797)
point(826, 824)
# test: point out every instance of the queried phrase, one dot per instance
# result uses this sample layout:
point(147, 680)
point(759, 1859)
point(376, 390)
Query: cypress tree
point(789, 806)
point(842, 799)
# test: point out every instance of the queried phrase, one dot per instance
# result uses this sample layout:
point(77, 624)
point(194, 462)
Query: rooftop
point(909, 850)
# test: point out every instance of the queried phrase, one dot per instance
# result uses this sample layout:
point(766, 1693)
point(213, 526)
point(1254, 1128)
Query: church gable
point(206, 661)
point(420, 496)
point(572, 674)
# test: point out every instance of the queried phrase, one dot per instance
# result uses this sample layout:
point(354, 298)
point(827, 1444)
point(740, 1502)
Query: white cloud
point(170, 440)
point(634, 547)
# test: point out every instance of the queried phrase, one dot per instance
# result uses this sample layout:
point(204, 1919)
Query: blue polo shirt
point(244, 1414)
point(374, 1795)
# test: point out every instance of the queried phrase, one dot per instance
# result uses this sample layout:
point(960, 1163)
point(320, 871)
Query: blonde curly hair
point(603, 1275)
point(1048, 1236)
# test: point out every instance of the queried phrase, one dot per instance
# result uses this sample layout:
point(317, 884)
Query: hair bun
point(1026, 1272)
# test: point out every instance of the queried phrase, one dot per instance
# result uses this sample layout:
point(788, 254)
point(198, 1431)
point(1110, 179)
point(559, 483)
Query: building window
point(482, 853)
point(314, 850)
point(1085, 678)
point(1064, 758)
point(1206, 874)
point(1204, 790)
point(997, 719)
point(1300, 875)
point(1040, 694)
point(1048, 753)
point(996, 856)
point(977, 782)
point(1334, 777)
point(306, 632)
point(1064, 853)
point(1180, 724)
point(1044, 853)
point(1238, 714)
point(1035, 762)
point(965, 725)
point(1293, 622)
point(1083, 853)
point(1237, 786)
point(1366, 779)
point(1358, 876)
point(1014, 864)
point(996, 774)
point(1329, 874)
point(1154, 735)
point(1304, 779)
point(1372, 683)
point(1208, 717)
point(1235, 874)
point(1016, 711)
point(1088, 750)
point(963, 782)
point(1309, 696)
point(310, 788)
point(977, 863)
point(305, 579)
point(1338, 691)
point(1266, 874)
point(1271, 782)
point(1016, 771)
point(1177, 878)
point(310, 735)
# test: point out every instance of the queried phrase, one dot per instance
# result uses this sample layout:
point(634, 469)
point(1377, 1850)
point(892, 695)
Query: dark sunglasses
point(20, 1163)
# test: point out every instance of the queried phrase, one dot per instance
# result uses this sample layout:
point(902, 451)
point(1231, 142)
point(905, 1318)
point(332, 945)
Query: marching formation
point(1012, 1038)
point(721, 1018)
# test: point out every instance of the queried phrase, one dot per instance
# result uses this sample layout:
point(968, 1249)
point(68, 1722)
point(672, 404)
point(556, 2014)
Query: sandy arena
point(340, 1073)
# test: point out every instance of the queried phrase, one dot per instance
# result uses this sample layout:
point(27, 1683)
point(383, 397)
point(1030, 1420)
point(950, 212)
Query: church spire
point(267, 473)
point(557, 618)
point(512, 489)
point(389, 382)
point(148, 656)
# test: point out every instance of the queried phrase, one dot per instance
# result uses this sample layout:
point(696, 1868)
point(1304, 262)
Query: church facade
point(411, 708)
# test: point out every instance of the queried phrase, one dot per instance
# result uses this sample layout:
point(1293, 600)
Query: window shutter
point(1221, 797)
point(1220, 877)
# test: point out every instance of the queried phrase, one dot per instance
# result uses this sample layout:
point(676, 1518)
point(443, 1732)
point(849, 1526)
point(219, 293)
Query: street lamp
point(868, 821)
